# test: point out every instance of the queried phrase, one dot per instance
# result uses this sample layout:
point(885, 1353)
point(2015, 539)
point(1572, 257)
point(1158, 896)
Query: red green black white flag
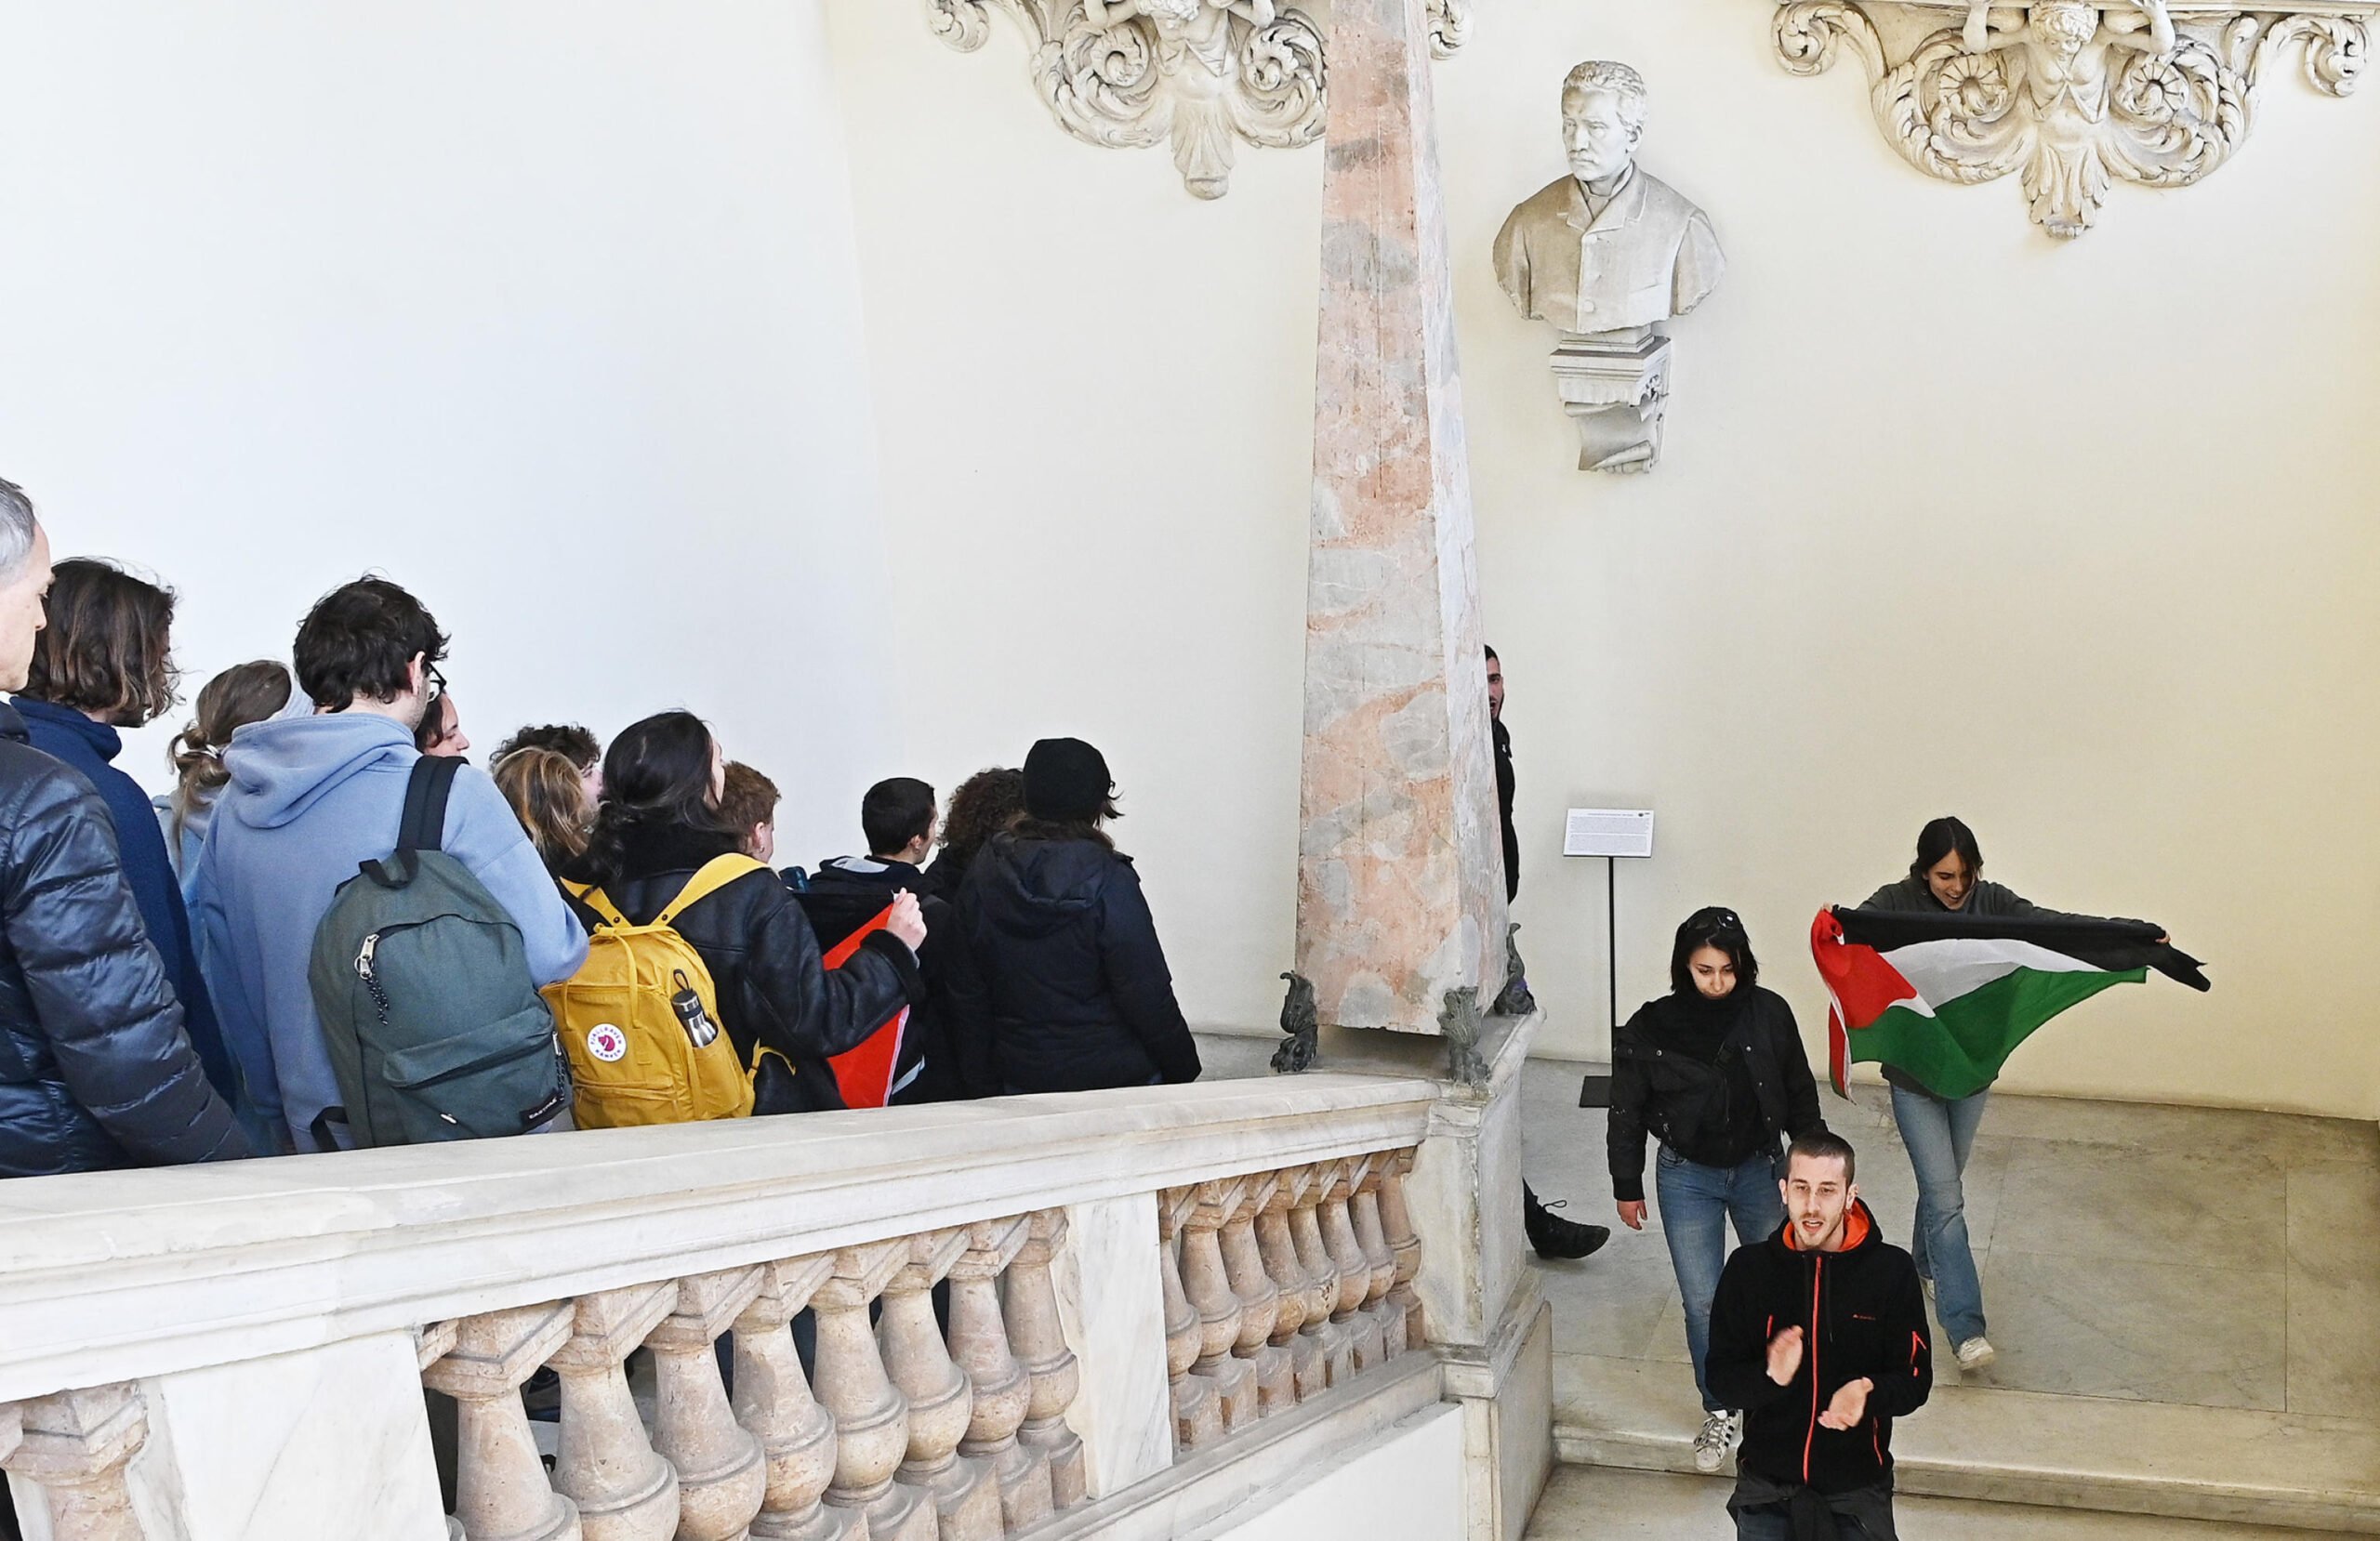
point(1945, 998)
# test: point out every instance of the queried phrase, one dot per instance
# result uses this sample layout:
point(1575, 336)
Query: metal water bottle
point(688, 1004)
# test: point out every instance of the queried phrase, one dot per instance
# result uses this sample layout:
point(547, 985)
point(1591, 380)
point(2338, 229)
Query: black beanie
point(1065, 778)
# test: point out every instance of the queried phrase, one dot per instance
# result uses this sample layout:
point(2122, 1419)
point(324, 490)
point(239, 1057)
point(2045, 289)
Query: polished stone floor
point(1645, 1505)
point(2185, 1255)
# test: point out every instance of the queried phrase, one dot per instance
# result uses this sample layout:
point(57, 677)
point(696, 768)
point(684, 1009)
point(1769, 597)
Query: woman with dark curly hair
point(984, 804)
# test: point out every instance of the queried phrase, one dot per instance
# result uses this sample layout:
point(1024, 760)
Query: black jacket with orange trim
point(1862, 1315)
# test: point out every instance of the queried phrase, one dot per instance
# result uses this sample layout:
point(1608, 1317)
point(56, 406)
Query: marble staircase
point(2186, 1301)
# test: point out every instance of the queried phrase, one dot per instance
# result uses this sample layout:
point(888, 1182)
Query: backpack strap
point(424, 826)
point(716, 874)
point(421, 827)
point(601, 902)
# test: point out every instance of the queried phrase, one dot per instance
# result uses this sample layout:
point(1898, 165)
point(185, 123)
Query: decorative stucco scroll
point(1202, 73)
point(2070, 94)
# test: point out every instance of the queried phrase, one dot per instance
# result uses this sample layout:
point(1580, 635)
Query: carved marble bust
point(1609, 246)
point(1607, 254)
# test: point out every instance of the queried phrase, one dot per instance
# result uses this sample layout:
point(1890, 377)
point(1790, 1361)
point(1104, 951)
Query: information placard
point(1608, 831)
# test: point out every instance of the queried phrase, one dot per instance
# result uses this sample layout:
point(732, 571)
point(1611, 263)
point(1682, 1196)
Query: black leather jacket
point(96, 1069)
point(771, 985)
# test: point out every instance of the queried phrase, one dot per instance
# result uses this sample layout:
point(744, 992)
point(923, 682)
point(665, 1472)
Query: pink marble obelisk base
point(1400, 864)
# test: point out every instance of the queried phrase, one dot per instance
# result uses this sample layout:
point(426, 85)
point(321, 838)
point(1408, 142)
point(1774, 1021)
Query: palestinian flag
point(1945, 998)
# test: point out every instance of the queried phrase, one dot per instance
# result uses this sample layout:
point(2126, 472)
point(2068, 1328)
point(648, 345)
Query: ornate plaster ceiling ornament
point(1203, 73)
point(2071, 94)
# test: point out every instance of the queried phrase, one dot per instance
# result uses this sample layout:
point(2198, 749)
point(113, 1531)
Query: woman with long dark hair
point(1063, 986)
point(1716, 1071)
point(1938, 1132)
point(658, 825)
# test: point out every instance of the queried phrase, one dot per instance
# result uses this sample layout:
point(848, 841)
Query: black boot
point(1554, 1237)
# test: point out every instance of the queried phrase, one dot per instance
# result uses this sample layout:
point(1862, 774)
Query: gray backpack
point(435, 1029)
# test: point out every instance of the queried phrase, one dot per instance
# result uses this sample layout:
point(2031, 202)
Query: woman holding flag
point(1715, 1071)
point(1940, 1067)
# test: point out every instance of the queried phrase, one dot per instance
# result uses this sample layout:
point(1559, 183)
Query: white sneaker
point(1711, 1445)
point(1976, 1353)
point(1927, 1286)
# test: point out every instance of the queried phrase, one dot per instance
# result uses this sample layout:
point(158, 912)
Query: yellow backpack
point(630, 1017)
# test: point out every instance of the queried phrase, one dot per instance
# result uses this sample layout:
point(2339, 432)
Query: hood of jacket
point(1859, 1235)
point(283, 767)
point(1032, 888)
point(104, 740)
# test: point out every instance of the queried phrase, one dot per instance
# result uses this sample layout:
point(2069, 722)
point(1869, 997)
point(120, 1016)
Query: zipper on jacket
point(1818, 1274)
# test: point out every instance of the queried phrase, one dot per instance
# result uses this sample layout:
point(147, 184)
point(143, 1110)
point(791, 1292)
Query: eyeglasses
point(433, 683)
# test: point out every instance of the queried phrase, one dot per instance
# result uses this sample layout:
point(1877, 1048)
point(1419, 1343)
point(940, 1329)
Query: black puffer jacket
point(1062, 967)
point(96, 1069)
point(1714, 1110)
point(764, 962)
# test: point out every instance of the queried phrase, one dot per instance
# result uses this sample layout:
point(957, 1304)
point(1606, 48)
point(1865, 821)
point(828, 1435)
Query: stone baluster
point(1396, 1224)
point(871, 1418)
point(1363, 1207)
point(1297, 1289)
point(76, 1445)
point(1335, 1342)
point(1355, 1268)
point(1259, 1298)
point(501, 1492)
point(773, 1401)
point(1206, 1281)
point(721, 1475)
point(1029, 1299)
point(1003, 1392)
point(942, 1404)
point(623, 1490)
point(1198, 1409)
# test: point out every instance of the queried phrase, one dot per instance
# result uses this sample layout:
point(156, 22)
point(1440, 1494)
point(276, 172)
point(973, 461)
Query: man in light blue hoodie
point(312, 797)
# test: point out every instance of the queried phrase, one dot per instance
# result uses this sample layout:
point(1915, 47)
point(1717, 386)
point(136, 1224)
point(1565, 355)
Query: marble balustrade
point(658, 1274)
point(1238, 1303)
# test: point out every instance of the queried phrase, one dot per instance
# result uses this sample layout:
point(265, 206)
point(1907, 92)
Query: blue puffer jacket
point(96, 1069)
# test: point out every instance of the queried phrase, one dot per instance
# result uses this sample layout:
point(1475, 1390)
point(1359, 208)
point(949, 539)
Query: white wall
point(546, 307)
point(2070, 540)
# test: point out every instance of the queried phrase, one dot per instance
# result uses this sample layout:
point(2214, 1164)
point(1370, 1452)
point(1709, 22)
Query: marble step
point(2222, 1464)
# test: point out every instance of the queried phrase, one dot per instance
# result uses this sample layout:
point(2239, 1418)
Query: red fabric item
point(865, 1073)
point(1862, 985)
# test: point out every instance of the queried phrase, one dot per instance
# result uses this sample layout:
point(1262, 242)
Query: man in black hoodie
point(1819, 1334)
point(847, 892)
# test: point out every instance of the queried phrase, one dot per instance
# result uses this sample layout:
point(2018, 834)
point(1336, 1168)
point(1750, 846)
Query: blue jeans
point(1696, 1203)
point(1940, 1135)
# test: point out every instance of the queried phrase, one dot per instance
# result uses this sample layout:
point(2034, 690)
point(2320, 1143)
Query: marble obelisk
point(1400, 862)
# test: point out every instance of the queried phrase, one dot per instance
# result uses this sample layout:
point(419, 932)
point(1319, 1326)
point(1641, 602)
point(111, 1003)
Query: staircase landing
point(2185, 1302)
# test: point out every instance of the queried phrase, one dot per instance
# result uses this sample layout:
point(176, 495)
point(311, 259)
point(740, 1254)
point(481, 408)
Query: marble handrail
point(478, 1267)
point(119, 1275)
